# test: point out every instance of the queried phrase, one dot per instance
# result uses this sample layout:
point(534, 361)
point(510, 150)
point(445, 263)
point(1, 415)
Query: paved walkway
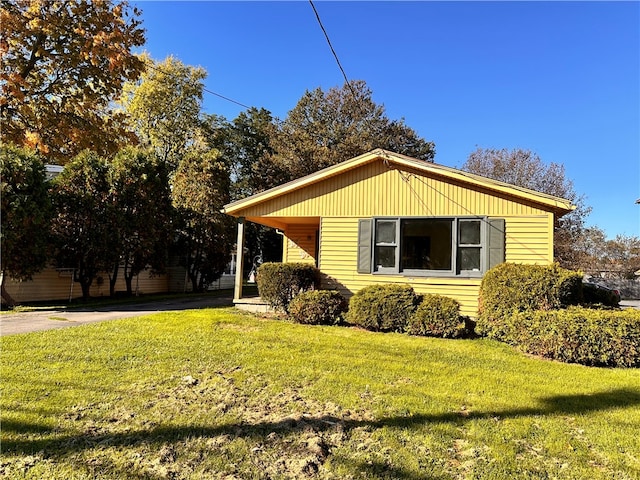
point(25, 322)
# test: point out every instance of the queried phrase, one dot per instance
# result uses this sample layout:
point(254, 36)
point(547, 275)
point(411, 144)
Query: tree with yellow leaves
point(63, 63)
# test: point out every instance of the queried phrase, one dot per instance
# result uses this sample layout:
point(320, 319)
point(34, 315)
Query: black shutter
point(495, 242)
point(364, 245)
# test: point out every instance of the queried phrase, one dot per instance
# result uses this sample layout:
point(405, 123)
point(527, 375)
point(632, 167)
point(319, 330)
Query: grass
point(219, 394)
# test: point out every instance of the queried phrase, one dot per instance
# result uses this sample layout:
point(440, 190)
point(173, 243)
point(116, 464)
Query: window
point(430, 246)
point(470, 245)
point(386, 245)
point(426, 245)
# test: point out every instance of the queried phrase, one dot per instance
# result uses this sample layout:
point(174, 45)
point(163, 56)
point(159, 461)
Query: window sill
point(412, 275)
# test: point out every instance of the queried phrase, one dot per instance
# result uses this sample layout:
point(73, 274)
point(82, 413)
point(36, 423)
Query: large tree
point(246, 147)
point(200, 189)
point(140, 214)
point(25, 215)
point(325, 128)
point(164, 107)
point(63, 62)
point(80, 230)
point(525, 168)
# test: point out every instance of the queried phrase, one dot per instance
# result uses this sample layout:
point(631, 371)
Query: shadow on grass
point(174, 301)
point(60, 444)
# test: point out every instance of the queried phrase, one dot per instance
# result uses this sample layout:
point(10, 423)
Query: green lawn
point(218, 394)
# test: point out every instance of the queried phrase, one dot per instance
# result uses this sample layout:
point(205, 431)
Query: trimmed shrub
point(318, 307)
point(278, 283)
point(587, 336)
point(437, 316)
point(384, 308)
point(510, 288)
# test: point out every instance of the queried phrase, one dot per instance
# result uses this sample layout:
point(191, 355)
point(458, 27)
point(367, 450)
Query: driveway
point(26, 322)
point(630, 304)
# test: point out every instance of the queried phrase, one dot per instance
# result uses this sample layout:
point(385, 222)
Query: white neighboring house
point(52, 171)
point(227, 279)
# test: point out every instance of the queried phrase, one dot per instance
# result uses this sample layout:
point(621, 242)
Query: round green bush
point(318, 307)
point(279, 283)
point(437, 316)
point(384, 308)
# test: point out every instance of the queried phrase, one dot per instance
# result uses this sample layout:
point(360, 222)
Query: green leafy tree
point(200, 189)
point(525, 169)
point(25, 216)
point(246, 147)
point(140, 214)
point(63, 62)
point(326, 128)
point(164, 107)
point(80, 227)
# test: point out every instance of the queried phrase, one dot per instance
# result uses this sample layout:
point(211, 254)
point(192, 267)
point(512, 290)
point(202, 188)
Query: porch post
point(237, 290)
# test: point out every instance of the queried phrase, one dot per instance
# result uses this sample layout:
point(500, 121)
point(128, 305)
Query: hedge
point(511, 288)
point(384, 308)
point(579, 335)
point(279, 283)
point(318, 307)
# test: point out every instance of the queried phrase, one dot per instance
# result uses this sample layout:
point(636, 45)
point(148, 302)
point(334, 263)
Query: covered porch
point(301, 243)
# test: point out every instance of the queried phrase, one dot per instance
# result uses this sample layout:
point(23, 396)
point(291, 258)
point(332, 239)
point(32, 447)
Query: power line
point(226, 98)
point(156, 68)
point(335, 55)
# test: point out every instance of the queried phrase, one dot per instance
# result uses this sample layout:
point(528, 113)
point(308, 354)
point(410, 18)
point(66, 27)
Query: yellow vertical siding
point(376, 190)
point(526, 241)
point(529, 239)
point(300, 244)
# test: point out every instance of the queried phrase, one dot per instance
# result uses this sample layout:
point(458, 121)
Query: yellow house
point(383, 217)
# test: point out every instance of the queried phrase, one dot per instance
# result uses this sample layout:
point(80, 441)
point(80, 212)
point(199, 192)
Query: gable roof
point(556, 204)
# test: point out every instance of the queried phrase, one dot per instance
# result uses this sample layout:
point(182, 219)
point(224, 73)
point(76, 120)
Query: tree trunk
point(113, 277)
point(194, 280)
point(128, 279)
point(86, 287)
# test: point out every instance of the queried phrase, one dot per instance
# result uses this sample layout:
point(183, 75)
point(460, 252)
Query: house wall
point(376, 190)
point(525, 238)
point(300, 244)
point(53, 284)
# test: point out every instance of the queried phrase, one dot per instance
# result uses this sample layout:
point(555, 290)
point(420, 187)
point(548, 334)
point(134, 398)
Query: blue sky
point(559, 78)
